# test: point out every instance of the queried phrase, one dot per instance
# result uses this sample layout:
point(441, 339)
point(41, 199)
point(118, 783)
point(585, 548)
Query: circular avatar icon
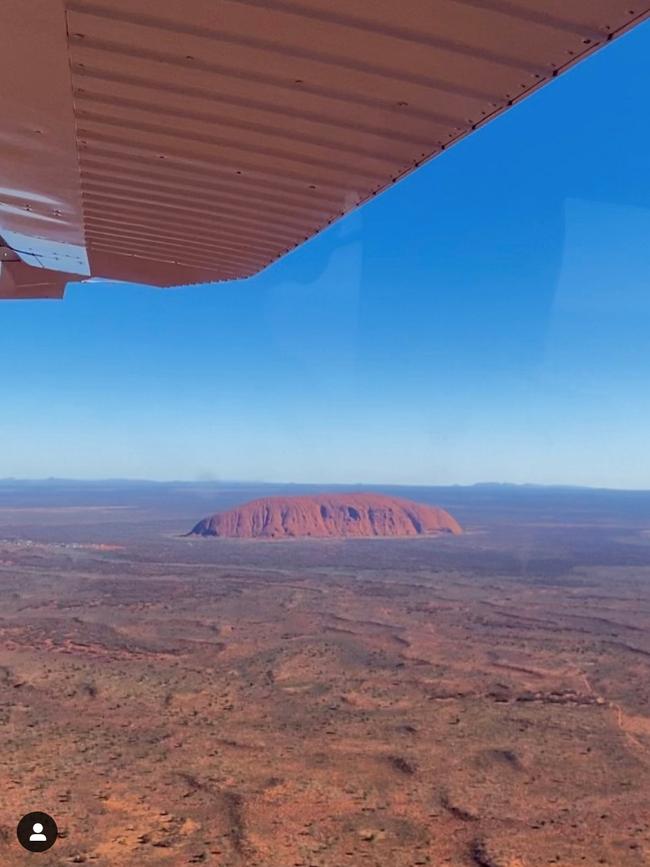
point(37, 832)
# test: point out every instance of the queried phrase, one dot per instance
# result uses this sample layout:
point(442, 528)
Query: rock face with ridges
point(328, 515)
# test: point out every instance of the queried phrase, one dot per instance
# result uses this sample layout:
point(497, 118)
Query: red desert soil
point(328, 515)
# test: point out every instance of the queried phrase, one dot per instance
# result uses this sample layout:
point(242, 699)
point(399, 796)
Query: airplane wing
point(187, 141)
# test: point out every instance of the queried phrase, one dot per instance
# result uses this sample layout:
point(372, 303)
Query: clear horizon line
point(357, 484)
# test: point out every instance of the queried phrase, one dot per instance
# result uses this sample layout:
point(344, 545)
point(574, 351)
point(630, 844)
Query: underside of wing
point(193, 141)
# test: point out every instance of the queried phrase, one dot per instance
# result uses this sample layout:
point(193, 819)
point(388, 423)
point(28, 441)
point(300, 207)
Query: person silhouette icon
point(37, 836)
point(37, 831)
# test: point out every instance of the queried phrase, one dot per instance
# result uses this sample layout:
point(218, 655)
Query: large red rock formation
point(328, 515)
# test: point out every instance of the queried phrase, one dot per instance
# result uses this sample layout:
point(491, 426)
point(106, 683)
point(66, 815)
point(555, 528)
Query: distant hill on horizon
point(183, 503)
point(356, 515)
point(66, 482)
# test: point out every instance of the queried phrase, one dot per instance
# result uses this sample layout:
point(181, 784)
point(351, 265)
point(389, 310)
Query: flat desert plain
point(479, 700)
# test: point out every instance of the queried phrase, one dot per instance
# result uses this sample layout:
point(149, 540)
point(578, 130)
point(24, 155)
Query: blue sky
point(487, 318)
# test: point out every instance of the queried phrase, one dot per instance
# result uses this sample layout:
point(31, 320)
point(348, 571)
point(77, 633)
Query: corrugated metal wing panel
point(212, 138)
